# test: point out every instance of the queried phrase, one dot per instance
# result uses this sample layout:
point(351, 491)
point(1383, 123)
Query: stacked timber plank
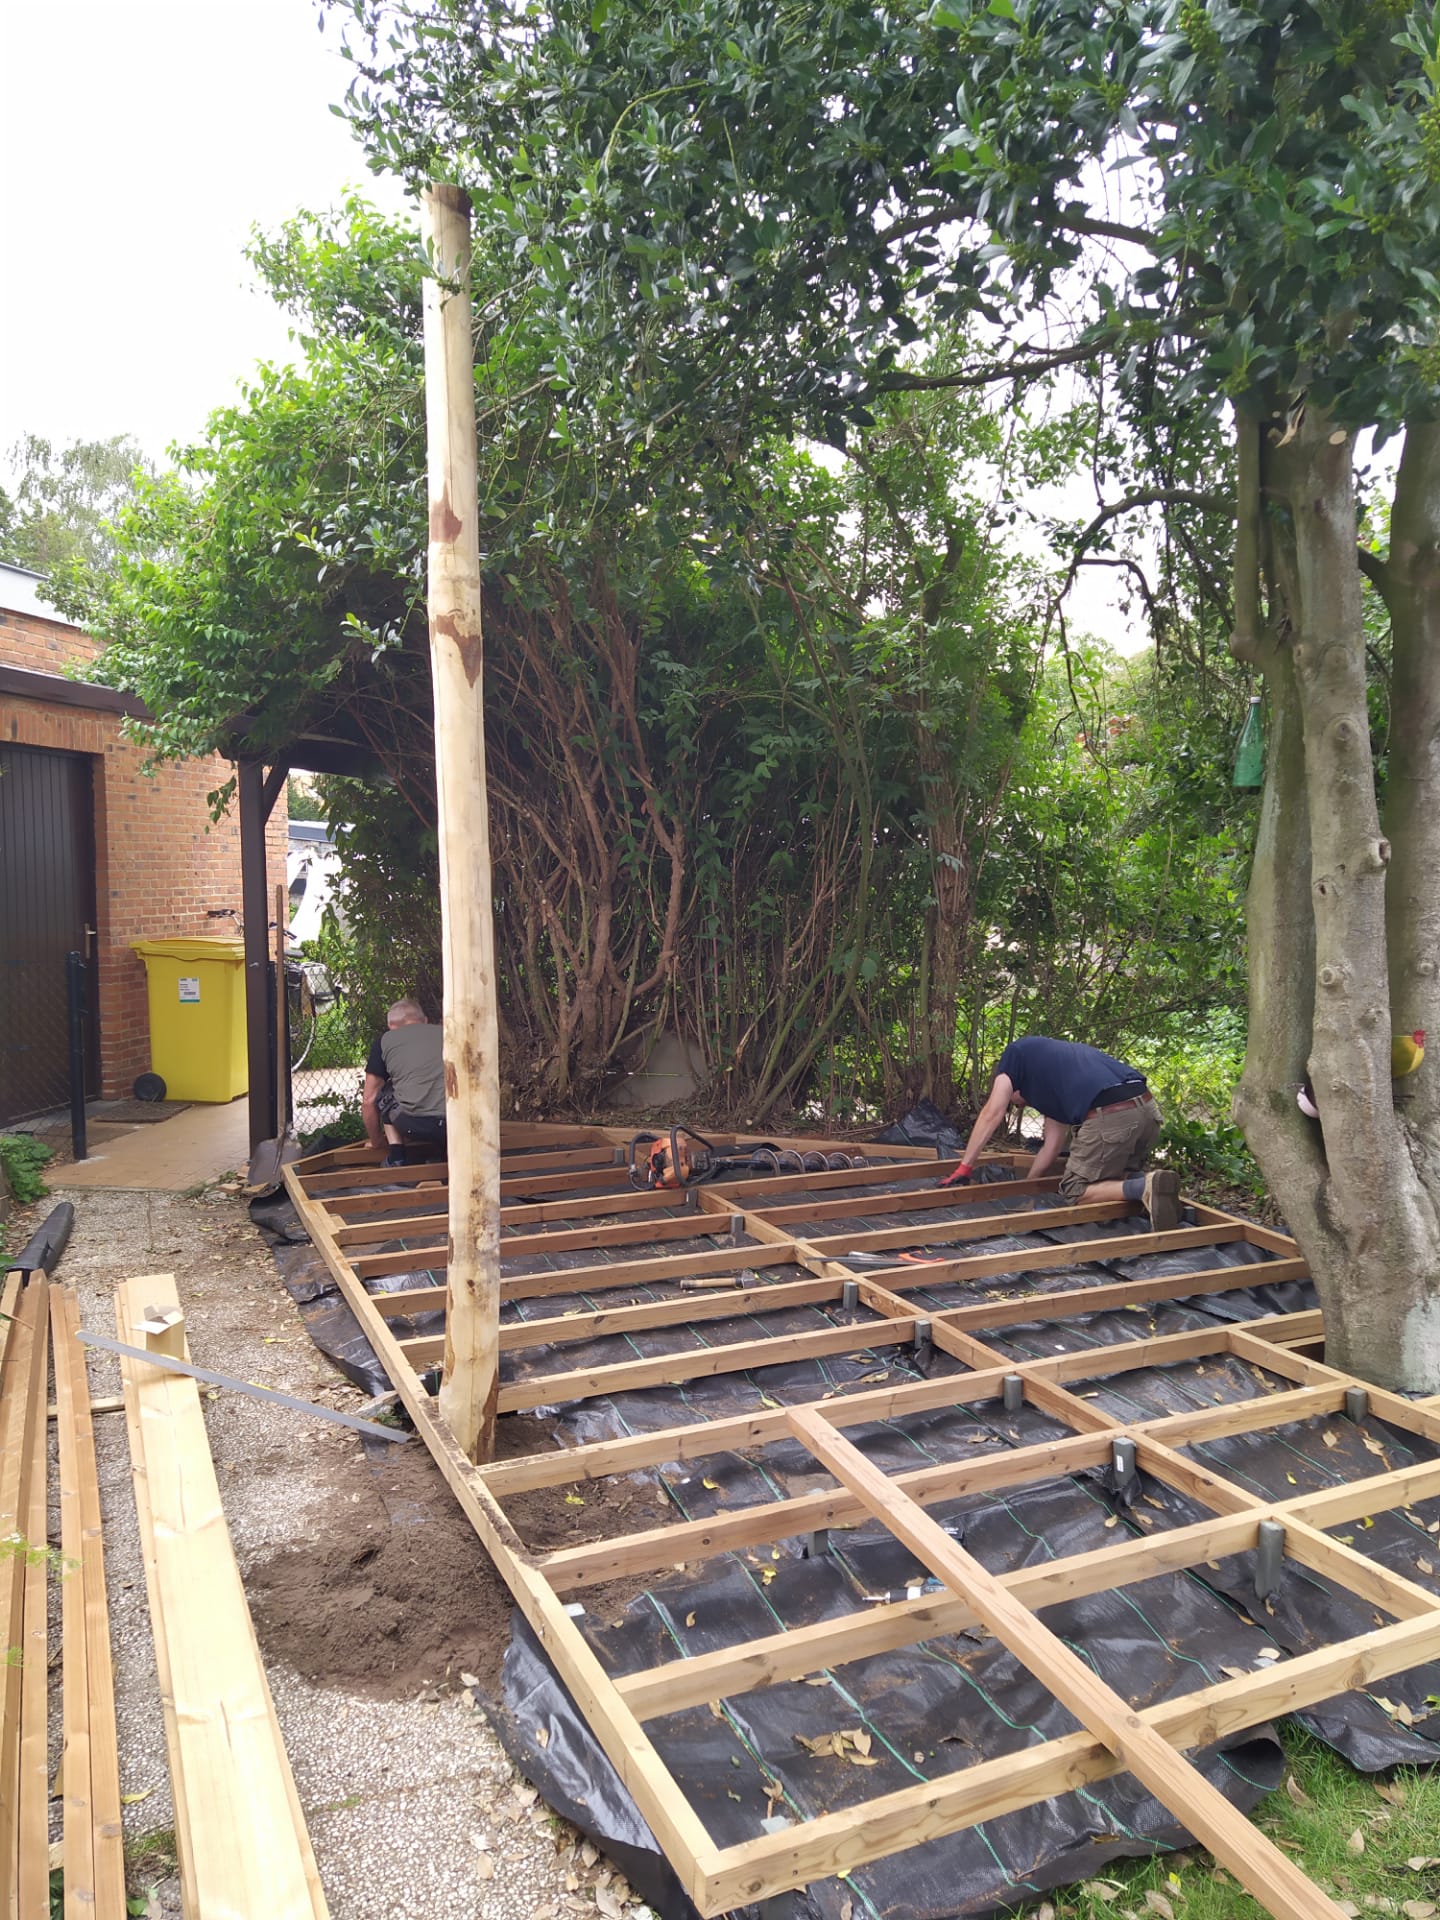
point(241, 1836)
point(24, 1834)
point(93, 1840)
point(94, 1864)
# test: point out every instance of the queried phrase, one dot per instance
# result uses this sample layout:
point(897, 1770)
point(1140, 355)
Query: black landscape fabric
point(954, 1700)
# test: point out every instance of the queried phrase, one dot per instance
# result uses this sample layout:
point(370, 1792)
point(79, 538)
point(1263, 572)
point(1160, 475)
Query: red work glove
point(961, 1177)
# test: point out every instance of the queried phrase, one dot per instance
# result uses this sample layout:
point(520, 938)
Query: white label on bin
point(190, 987)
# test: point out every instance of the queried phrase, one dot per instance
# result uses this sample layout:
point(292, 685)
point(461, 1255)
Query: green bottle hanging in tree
point(1250, 749)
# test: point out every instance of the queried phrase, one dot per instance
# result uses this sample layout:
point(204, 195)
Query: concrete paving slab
point(195, 1146)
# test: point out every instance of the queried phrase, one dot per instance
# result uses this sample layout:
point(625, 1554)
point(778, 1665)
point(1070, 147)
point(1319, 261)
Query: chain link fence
point(337, 995)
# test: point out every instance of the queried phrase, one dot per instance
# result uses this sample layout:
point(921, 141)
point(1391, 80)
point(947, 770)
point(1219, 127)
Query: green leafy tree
point(1231, 209)
point(57, 515)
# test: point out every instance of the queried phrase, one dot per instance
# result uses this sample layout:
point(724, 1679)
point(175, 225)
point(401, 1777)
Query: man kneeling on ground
point(404, 1097)
point(1114, 1115)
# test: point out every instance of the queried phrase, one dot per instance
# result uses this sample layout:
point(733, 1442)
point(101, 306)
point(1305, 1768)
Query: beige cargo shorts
point(1113, 1142)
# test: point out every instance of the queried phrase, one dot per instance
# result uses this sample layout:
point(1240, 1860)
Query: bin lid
point(187, 947)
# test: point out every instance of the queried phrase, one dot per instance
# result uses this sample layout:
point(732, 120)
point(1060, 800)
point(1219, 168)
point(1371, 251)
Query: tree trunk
point(1360, 1188)
point(948, 920)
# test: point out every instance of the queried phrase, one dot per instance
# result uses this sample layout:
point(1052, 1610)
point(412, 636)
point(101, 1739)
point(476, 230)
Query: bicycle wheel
point(304, 1015)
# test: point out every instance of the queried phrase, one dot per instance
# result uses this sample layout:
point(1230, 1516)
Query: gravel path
point(413, 1807)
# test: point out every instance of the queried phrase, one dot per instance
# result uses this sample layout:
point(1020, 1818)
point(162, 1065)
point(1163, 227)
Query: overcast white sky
point(140, 141)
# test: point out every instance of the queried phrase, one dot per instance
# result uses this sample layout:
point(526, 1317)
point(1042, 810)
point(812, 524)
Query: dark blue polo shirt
point(1060, 1078)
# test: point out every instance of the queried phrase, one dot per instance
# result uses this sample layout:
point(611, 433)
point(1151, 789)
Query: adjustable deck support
point(1269, 1558)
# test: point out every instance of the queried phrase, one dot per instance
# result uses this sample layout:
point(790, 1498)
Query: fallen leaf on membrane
point(542, 1737)
point(1113, 1521)
point(689, 1619)
point(1235, 1673)
point(713, 1485)
point(1425, 1566)
point(1330, 1440)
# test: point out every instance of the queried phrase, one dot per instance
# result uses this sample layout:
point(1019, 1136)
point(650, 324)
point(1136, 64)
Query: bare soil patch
point(392, 1593)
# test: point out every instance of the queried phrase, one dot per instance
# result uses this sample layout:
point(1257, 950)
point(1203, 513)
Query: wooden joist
point(1081, 1387)
point(1256, 1862)
point(22, 1435)
point(94, 1845)
point(243, 1845)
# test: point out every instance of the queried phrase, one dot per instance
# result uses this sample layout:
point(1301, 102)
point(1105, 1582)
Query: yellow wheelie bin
point(197, 1016)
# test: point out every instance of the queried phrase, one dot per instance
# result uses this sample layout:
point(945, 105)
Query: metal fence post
point(75, 1017)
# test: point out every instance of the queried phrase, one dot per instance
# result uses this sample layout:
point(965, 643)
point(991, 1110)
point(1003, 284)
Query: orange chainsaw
point(682, 1158)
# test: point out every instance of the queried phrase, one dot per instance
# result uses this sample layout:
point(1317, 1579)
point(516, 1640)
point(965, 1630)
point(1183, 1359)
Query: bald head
point(406, 1013)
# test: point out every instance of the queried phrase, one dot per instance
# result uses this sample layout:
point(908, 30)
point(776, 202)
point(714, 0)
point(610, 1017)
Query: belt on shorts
point(1119, 1106)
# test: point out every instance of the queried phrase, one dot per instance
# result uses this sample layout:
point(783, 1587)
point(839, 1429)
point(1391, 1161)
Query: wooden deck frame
point(794, 1231)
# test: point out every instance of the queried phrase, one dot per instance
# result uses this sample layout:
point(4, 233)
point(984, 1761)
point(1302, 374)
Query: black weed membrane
point(897, 1719)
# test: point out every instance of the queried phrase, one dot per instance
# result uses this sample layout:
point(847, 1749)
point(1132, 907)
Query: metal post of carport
point(258, 792)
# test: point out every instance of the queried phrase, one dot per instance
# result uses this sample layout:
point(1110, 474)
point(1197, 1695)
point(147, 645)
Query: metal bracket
point(818, 1545)
point(779, 1906)
point(1269, 1557)
point(1122, 1457)
point(1012, 1393)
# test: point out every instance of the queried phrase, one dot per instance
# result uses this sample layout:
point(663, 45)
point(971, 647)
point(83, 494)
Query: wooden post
point(255, 910)
point(470, 1383)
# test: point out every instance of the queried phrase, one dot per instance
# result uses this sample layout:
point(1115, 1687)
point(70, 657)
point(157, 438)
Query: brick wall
point(160, 863)
point(42, 646)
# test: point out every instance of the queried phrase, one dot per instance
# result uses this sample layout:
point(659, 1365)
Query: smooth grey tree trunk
point(1344, 913)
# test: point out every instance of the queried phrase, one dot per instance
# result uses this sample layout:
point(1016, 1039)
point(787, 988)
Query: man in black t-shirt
point(404, 1096)
point(1102, 1103)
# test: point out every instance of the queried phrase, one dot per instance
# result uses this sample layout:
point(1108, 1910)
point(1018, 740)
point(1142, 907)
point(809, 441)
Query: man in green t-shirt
point(404, 1096)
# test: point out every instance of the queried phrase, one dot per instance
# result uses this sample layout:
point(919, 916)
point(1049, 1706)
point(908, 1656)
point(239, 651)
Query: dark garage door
point(47, 899)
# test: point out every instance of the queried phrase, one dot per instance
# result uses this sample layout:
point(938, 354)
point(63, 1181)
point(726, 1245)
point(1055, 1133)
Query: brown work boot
point(1162, 1198)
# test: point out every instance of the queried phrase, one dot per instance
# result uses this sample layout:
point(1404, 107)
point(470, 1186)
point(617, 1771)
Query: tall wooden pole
point(472, 1079)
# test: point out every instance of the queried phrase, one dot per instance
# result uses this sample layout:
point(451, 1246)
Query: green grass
point(1354, 1834)
point(153, 1855)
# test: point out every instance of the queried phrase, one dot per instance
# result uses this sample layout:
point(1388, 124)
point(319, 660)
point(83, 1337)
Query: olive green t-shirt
point(412, 1059)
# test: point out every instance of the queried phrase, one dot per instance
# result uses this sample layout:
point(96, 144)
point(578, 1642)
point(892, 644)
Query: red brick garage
point(90, 841)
